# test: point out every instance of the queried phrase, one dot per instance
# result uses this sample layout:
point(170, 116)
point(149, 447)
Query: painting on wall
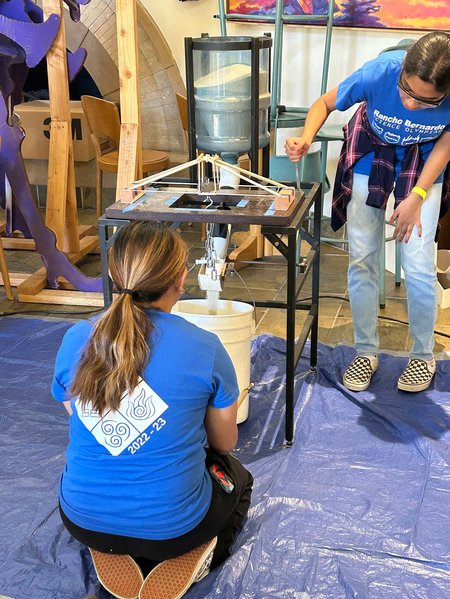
point(392, 14)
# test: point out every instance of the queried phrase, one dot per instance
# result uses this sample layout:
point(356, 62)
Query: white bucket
point(234, 325)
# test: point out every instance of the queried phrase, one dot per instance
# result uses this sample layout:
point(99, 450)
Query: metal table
point(297, 272)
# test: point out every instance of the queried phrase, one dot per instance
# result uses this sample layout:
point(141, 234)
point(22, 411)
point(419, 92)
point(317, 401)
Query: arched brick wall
point(159, 75)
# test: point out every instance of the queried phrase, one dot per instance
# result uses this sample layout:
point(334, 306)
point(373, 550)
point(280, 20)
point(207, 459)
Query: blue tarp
point(358, 508)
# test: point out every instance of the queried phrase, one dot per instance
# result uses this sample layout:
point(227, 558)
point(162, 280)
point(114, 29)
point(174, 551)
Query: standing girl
point(398, 140)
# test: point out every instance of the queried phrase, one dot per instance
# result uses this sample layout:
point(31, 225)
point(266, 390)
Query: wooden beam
point(58, 76)
point(62, 297)
point(19, 243)
point(130, 152)
point(87, 244)
point(16, 278)
point(71, 235)
point(127, 168)
point(34, 283)
point(127, 47)
point(84, 230)
point(5, 274)
point(58, 168)
point(61, 211)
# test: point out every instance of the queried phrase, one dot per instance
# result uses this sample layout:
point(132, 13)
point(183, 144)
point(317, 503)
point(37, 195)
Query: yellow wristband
point(421, 192)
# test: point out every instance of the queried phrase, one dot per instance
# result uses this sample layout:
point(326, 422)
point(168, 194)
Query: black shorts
point(223, 519)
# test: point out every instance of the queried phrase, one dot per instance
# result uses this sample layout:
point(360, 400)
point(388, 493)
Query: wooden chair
point(104, 124)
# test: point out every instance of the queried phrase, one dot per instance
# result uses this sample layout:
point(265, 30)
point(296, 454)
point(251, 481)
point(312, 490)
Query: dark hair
point(429, 59)
point(145, 260)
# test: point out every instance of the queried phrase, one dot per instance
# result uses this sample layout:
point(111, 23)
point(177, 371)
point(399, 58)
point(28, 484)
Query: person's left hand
point(405, 216)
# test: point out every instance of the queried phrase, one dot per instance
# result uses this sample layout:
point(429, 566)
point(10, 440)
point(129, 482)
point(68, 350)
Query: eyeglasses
point(425, 102)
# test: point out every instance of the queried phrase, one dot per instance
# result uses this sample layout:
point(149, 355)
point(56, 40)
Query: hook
point(211, 202)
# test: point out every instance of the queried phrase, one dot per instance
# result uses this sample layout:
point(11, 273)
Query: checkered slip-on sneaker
point(172, 578)
point(119, 574)
point(418, 375)
point(358, 375)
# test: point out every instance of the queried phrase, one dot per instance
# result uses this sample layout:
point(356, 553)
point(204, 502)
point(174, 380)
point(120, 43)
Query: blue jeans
point(366, 234)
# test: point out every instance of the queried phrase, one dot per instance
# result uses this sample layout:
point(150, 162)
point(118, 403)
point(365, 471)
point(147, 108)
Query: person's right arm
point(221, 413)
point(221, 428)
point(297, 147)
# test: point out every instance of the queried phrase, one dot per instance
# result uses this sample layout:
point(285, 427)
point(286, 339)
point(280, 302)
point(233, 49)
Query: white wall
point(302, 52)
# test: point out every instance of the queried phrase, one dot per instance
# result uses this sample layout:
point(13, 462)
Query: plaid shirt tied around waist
point(359, 140)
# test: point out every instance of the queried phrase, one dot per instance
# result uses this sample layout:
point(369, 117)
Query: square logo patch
point(116, 430)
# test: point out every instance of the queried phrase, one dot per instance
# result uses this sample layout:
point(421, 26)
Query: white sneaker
point(205, 569)
point(358, 375)
point(418, 375)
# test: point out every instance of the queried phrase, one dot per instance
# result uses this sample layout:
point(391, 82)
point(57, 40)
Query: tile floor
point(269, 282)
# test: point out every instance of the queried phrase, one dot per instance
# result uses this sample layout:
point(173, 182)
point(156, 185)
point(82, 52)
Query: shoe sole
point(172, 578)
point(354, 387)
point(413, 388)
point(119, 574)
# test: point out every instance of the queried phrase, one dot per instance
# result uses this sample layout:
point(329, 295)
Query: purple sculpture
point(25, 39)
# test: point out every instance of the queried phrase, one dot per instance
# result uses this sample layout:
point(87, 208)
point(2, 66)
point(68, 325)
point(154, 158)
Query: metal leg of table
point(315, 280)
point(291, 301)
point(106, 280)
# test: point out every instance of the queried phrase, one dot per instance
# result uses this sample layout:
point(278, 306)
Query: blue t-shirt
point(376, 84)
point(140, 471)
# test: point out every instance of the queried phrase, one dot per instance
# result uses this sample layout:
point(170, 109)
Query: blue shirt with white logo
point(140, 471)
point(376, 84)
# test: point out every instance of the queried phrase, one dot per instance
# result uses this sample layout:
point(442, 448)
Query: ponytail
point(145, 260)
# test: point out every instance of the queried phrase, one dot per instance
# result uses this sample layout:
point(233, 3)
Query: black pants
point(224, 519)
